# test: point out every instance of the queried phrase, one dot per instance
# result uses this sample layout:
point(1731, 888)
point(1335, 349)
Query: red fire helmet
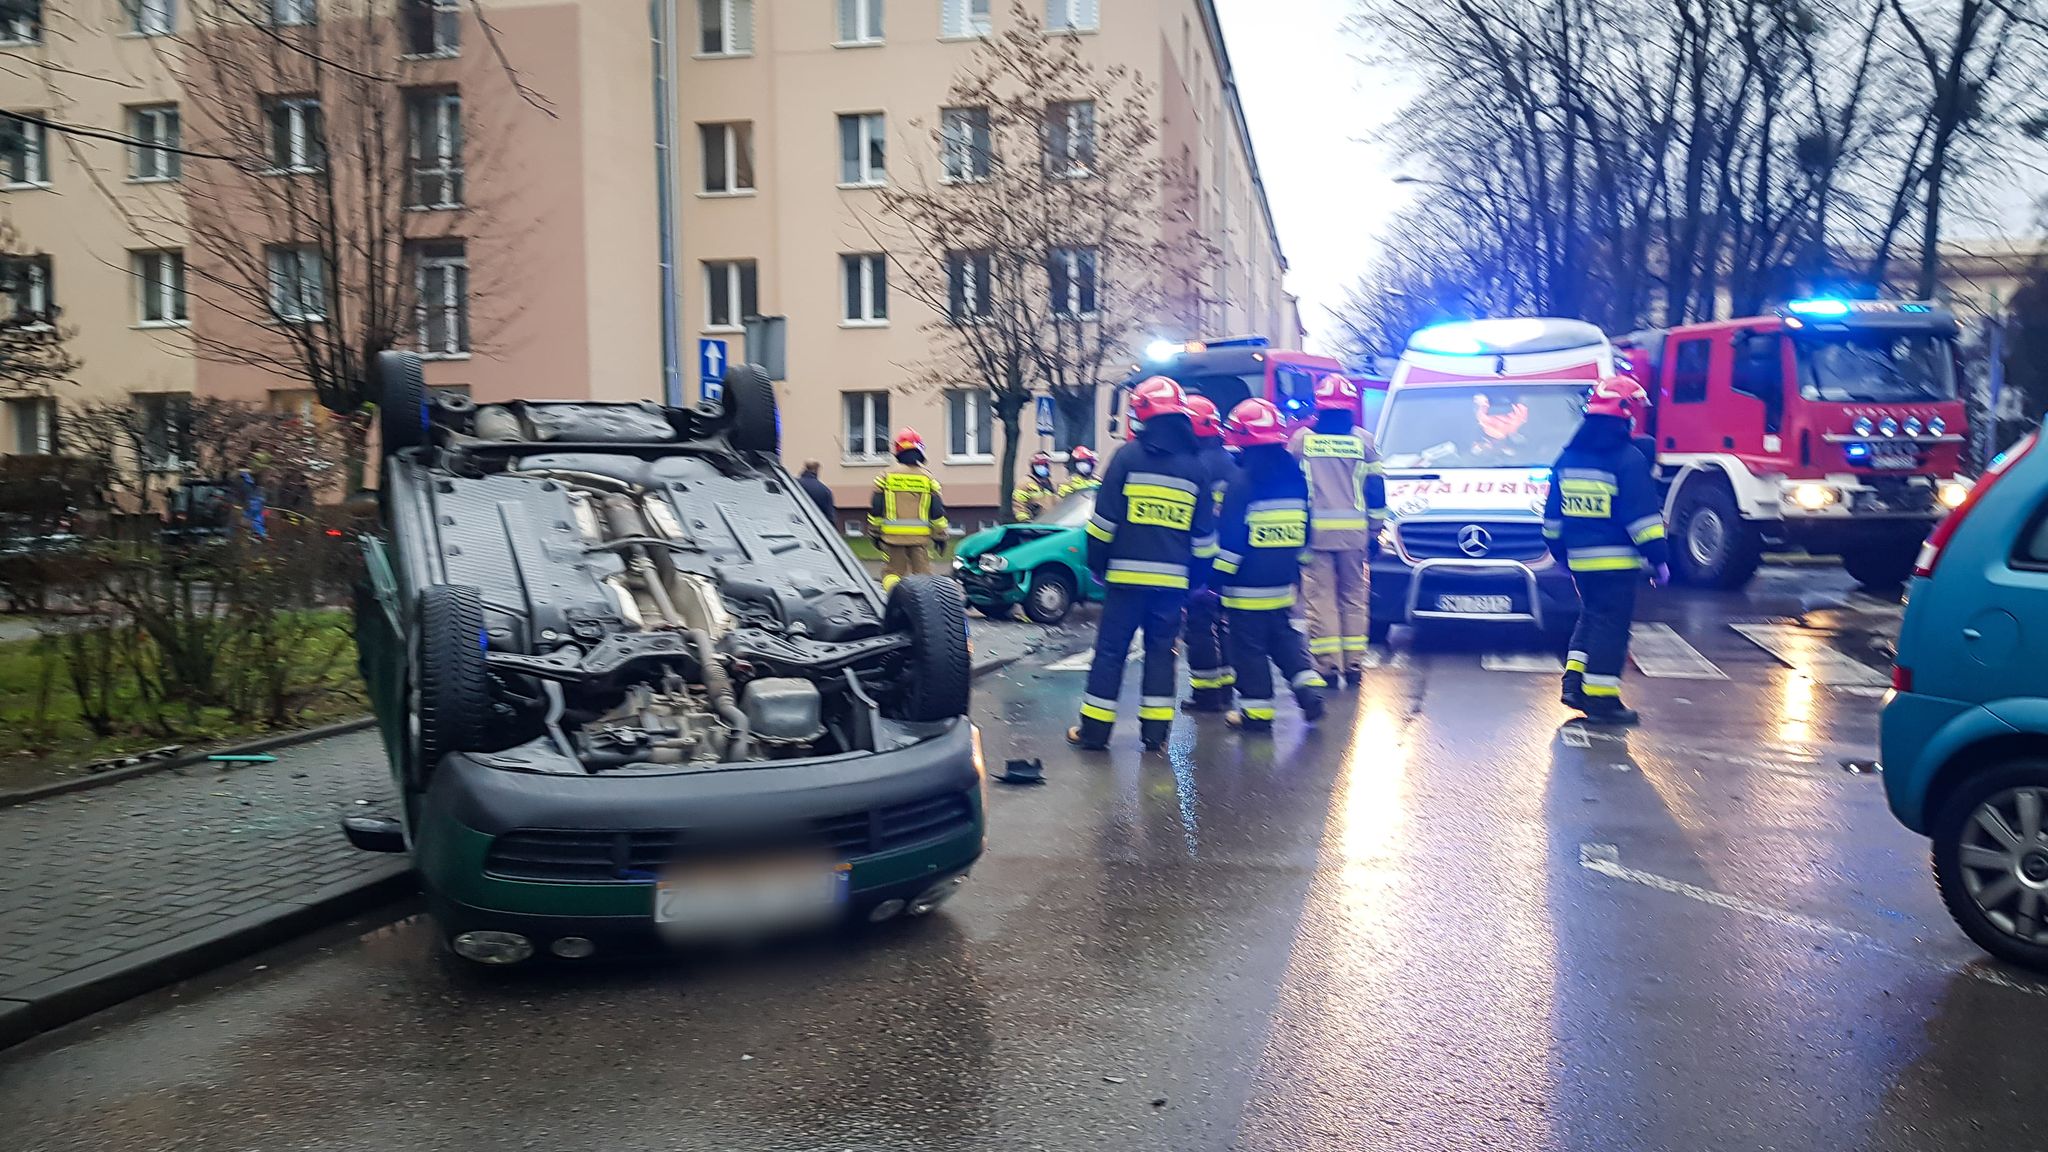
point(1202, 412)
point(1617, 396)
point(1254, 423)
point(906, 440)
point(1157, 396)
point(1336, 391)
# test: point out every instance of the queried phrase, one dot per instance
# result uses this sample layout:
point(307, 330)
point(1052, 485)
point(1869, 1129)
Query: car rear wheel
point(1051, 596)
point(1881, 565)
point(933, 611)
point(1991, 860)
point(1715, 546)
point(750, 399)
point(402, 400)
point(450, 690)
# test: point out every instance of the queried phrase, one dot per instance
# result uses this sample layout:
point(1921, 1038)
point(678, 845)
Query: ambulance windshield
point(1480, 426)
point(1876, 367)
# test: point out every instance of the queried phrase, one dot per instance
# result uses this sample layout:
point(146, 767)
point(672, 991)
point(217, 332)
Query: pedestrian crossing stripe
point(1372, 659)
point(1539, 662)
point(1659, 651)
point(1804, 650)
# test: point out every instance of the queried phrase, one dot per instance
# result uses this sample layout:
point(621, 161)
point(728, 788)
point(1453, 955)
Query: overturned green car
point(1039, 565)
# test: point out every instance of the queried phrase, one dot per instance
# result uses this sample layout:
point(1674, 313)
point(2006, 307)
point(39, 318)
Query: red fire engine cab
point(1829, 425)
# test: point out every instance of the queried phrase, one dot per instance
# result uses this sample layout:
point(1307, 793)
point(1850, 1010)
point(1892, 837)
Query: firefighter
point(1209, 676)
point(907, 515)
point(1035, 492)
point(1080, 472)
point(1153, 531)
point(1604, 521)
point(1263, 530)
point(1347, 506)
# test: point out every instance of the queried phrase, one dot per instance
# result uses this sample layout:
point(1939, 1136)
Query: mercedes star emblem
point(1474, 540)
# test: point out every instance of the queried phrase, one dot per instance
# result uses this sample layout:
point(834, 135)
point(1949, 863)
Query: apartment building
point(794, 112)
point(529, 166)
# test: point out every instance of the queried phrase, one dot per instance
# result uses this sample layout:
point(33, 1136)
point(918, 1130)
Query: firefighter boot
point(1609, 710)
point(1574, 693)
point(1308, 695)
point(1237, 719)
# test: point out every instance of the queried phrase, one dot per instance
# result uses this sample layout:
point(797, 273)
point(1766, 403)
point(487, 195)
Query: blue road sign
point(711, 369)
point(1045, 415)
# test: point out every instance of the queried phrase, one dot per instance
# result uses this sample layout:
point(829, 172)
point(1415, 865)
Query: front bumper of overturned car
point(470, 804)
point(986, 589)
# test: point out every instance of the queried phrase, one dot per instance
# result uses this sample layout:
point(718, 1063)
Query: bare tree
point(1044, 229)
point(35, 355)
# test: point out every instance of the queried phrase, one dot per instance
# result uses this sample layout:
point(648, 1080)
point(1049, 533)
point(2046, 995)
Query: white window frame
point(733, 289)
point(974, 269)
point(1073, 16)
point(970, 411)
point(156, 161)
point(444, 27)
point(435, 157)
point(1069, 163)
point(160, 287)
point(294, 13)
point(287, 285)
point(37, 307)
point(730, 130)
point(860, 305)
point(24, 29)
point(876, 429)
point(965, 20)
point(34, 419)
point(152, 17)
point(870, 130)
point(966, 145)
point(735, 28)
point(451, 259)
point(166, 417)
point(35, 156)
point(302, 136)
point(861, 17)
point(1070, 261)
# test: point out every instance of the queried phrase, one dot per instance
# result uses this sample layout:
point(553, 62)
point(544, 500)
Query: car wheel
point(1714, 546)
point(1051, 596)
point(402, 400)
point(1991, 860)
point(934, 612)
point(451, 690)
point(750, 401)
point(1881, 565)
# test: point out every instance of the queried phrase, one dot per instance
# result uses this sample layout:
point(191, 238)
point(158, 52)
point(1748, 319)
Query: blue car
point(1965, 727)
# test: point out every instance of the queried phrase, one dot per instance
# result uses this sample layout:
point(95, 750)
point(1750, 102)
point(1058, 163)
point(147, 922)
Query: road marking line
point(1605, 860)
point(1078, 662)
point(1660, 651)
point(1803, 650)
point(1537, 662)
point(1393, 663)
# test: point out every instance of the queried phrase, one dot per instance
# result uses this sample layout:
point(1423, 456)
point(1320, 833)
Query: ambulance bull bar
point(1421, 568)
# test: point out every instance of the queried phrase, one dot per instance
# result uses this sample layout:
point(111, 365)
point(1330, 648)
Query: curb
point(262, 744)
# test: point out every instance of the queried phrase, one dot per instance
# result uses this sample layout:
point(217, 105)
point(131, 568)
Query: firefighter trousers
point(1126, 610)
point(1334, 585)
point(1260, 640)
point(1600, 642)
point(900, 560)
point(1209, 672)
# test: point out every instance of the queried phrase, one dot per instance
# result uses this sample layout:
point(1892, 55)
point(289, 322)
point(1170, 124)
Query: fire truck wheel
point(1881, 566)
point(1712, 546)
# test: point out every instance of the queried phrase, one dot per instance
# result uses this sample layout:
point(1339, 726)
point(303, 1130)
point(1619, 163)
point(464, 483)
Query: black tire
point(1956, 881)
point(1881, 566)
point(933, 611)
point(452, 695)
point(750, 401)
point(1051, 598)
point(1712, 546)
point(402, 400)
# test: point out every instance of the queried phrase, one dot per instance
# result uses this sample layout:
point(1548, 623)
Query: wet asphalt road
point(1437, 921)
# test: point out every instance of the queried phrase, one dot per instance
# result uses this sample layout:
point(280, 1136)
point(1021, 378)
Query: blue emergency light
point(1818, 307)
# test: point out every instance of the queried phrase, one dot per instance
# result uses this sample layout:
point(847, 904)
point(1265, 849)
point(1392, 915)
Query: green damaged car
point(1039, 565)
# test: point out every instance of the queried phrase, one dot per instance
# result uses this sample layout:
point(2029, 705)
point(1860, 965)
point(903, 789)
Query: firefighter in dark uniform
point(1209, 674)
point(1604, 521)
point(1151, 539)
point(1264, 527)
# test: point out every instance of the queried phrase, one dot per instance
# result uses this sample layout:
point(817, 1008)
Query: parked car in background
point(1040, 565)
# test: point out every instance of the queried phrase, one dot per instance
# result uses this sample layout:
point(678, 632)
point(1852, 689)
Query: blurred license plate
point(742, 896)
point(1476, 605)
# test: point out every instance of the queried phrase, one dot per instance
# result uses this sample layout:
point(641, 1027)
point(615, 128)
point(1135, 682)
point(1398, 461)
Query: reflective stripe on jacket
point(1347, 493)
point(1265, 525)
point(1602, 513)
point(906, 507)
point(1153, 525)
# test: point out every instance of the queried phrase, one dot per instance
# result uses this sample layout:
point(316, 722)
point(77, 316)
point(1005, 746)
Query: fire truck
point(1233, 370)
point(1832, 426)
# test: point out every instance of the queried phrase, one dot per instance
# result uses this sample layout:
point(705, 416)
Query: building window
point(1072, 15)
point(963, 18)
point(431, 27)
point(866, 276)
point(732, 293)
point(434, 128)
point(160, 281)
point(166, 429)
point(151, 17)
point(1070, 138)
point(867, 425)
point(292, 13)
point(298, 283)
point(1072, 272)
point(860, 21)
point(24, 160)
point(726, 27)
point(24, 24)
point(156, 131)
point(861, 149)
point(970, 433)
point(441, 277)
point(969, 148)
point(29, 284)
point(32, 419)
point(968, 286)
point(728, 157)
point(297, 140)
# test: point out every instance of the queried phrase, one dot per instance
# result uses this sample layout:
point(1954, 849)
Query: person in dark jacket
point(1263, 528)
point(1603, 520)
point(1209, 676)
point(1152, 536)
point(818, 491)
